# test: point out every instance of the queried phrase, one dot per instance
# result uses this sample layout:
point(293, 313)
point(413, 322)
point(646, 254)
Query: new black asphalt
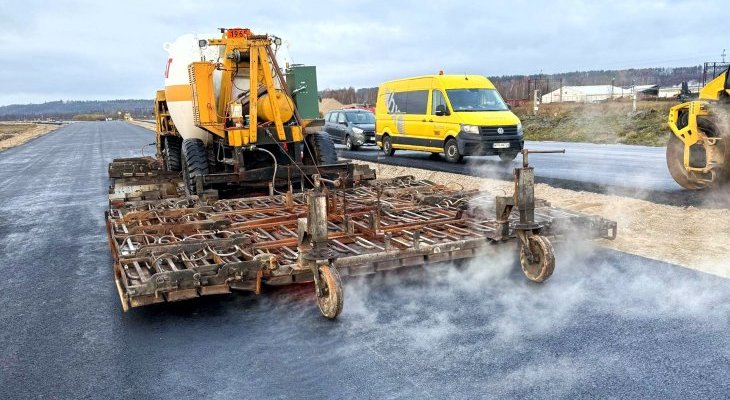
point(634, 171)
point(606, 325)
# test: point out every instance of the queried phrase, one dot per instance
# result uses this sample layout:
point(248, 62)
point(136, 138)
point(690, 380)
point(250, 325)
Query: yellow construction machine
point(227, 118)
point(698, 148)
point(246, 192)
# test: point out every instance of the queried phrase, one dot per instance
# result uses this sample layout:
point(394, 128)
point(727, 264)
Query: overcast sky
point(77, 50)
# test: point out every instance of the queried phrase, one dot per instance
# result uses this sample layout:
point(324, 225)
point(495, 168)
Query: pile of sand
point(328, 104)
point(691, 237)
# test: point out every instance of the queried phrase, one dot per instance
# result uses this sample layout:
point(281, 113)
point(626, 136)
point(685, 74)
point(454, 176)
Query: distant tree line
point(511, 87)
point(351, 95)
point(519, 86)
point(140, 109)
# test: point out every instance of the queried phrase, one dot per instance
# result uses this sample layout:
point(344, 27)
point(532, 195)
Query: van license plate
point(500, 145)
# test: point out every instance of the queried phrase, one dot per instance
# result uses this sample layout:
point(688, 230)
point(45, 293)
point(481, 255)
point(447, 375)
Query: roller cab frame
point(698, 151)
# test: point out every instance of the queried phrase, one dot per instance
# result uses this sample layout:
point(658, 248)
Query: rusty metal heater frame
point(168, 248)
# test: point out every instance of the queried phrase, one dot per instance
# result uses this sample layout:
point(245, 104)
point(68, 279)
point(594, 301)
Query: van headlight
point(357, 131)
point(519, 129)
point(473, 129)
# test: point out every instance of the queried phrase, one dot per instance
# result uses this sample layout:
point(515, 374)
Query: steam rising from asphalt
point(486, 310)
point(456, 322)
point(436, 299)
point(487, 313)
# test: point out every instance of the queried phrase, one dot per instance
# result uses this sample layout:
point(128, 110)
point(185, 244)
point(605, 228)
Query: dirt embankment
point(695, 238)
point(15, 134)
point(598, 123)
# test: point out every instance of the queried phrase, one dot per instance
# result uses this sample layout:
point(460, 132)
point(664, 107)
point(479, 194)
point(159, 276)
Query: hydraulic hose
point(276, 165)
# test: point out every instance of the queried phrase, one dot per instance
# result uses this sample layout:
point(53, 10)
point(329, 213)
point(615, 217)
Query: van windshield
point(463, 100)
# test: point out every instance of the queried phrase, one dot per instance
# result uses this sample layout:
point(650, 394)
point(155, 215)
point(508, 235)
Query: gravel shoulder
point(695, 238)
point(143, 124)
point(15, 134)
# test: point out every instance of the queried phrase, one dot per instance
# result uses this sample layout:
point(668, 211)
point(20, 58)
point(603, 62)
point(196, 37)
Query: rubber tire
point(507, 157)
point(538, 271)
point(323, 148)
point(456, 157)
point(171, 152)
point(349, 145)
point(387, 146)
point(195, 163)
point(330, 305)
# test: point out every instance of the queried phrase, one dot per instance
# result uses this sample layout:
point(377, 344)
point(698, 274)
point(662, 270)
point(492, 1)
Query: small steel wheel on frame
point(331, 300)
point(541, 265)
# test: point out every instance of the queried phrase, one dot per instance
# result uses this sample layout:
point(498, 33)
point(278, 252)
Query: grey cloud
point(108, 50)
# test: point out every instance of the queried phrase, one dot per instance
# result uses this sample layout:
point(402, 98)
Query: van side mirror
point(509, 106)
point(441, 110)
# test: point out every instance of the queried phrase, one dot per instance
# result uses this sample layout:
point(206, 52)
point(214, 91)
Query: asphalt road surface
point(635, 171)
point(605, 325)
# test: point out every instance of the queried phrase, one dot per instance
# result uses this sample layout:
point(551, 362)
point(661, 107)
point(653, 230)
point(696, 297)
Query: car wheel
point(388, 146)
point(348, 142)
point(451, 150)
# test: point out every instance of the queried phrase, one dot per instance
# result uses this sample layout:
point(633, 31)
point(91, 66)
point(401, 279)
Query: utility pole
point(634, 104)
point(561, 90)
point(613, 84)
point(723, 56)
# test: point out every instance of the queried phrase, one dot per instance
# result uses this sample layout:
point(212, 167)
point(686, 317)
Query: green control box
point(302, 82)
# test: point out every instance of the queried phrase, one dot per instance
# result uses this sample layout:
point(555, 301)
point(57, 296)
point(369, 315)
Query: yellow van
point(458, 115)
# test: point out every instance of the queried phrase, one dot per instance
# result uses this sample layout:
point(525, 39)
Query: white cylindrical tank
point(178, 91)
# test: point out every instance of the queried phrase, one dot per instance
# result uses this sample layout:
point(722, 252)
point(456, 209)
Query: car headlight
point(470, 129)
point(519, 129)
point(357, 131)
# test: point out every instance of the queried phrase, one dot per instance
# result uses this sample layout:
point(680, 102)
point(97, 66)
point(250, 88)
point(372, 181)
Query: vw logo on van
point(500, 130)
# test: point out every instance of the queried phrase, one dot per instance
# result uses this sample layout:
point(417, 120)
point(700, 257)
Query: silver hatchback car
point(351, 127)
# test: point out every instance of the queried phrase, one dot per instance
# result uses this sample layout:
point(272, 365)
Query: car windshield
point(476, 100)
point(360, 117)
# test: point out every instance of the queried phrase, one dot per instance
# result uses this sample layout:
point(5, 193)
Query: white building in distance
point(585, 94)
point(674, 91)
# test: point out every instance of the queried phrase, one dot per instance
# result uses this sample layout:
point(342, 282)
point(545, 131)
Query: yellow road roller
point(698, 149)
